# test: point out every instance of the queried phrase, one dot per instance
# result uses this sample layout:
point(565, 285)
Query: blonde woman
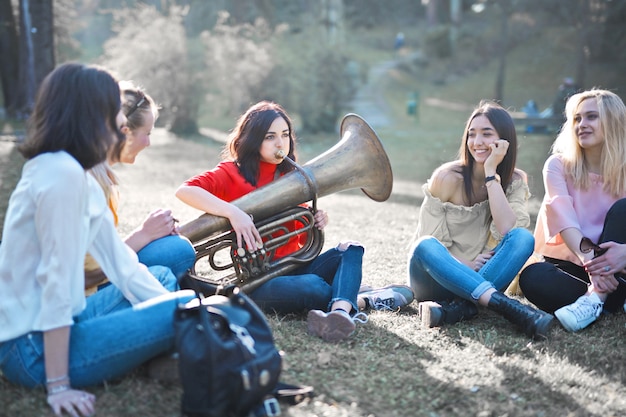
point(156, 241)
point(581, 225)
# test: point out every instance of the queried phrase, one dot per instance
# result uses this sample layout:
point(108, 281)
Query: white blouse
point(56, 214)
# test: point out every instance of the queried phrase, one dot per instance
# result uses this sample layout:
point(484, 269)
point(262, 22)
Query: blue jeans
point(333, 276)
point(102, 347)
point(174, 251)
point(109, 298)
point(434, 274)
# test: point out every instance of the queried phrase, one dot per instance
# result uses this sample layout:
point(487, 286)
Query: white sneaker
point(333, 326)
point(580, 313)
point(391, 297)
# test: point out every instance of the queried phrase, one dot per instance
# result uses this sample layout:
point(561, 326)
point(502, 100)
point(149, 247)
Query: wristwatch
point(491, 178)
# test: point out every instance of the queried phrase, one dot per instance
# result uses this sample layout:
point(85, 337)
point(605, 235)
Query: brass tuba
point(358, 160)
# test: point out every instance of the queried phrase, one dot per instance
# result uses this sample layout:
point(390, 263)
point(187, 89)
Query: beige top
point(469, 231)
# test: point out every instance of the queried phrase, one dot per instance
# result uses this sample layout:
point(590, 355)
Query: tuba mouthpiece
point(280, 154)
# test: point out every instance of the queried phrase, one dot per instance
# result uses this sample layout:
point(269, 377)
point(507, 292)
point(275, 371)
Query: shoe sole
point(430, 313)
point(330, 327)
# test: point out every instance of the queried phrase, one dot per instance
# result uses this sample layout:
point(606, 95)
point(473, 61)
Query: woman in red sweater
point(328, 286)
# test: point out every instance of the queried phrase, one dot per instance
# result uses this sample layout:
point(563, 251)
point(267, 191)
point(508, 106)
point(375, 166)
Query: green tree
point(238, 59)
point(150, 48)
point(312, 79)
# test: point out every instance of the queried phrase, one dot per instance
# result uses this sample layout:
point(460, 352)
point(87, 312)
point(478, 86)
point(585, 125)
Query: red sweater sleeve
point(226, 182)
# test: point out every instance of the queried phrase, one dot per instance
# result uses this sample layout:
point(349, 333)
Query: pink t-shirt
point(564, 206)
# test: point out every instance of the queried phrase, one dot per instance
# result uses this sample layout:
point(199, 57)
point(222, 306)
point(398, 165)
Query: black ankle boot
point(535, 323)
point(436, 313)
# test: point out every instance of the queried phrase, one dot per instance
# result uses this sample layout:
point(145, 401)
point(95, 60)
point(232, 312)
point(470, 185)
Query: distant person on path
point(51, 335)
point(471, 236)
point(566, 90)
point(156, 241)
point(328, 286)
point(531, 109)
point(584, 204)
point(399, 42)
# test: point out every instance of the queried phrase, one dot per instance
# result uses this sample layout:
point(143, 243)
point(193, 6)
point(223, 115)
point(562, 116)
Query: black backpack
point(229, 365)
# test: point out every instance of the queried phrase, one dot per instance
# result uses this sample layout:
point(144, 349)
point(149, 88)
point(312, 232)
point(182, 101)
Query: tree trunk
point(43, 41)
point(582, 55)
point(9, 52)
point(431, 12)
point(504, 42)
point(36, 51)
point(455, 23)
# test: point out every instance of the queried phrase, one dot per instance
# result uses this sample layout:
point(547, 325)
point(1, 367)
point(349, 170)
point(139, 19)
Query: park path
point(369, 101)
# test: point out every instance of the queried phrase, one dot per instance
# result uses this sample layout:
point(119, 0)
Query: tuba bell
point(358, 160)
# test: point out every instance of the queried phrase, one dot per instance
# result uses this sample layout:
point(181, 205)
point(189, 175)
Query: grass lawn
point(391, 366)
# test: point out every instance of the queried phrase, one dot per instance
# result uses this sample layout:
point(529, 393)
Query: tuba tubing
point(358, 160)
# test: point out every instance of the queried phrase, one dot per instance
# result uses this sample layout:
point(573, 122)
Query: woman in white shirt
point(50, 335)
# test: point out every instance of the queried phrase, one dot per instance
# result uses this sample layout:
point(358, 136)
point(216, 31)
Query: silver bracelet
point(59, 379)
point(59, 389)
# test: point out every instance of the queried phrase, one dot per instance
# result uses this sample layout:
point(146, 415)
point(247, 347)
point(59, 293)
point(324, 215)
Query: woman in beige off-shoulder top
point(472, 237)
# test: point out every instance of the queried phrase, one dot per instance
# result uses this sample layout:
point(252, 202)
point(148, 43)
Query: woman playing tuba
point(327, 286)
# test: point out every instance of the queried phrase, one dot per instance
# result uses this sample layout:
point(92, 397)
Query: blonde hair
point(108, 180)
point(612, 115)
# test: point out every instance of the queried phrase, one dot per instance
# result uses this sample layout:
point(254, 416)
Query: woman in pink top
point(585, 182)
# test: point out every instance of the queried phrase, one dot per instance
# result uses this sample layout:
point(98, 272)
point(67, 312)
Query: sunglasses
point(140, 101)
point(587, 245)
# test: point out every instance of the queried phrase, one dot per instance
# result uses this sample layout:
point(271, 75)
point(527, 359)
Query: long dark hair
point(75, 111)
point(505, 128)
point(245, 140)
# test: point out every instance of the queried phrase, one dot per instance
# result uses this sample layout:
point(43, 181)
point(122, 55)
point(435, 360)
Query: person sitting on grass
point(471, 236)
point(328, 286)
point(156, 241)
point(584, 203)
point(51, 335)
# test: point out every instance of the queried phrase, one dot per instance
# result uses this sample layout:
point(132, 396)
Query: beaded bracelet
point(58, 379)
point(59, 389)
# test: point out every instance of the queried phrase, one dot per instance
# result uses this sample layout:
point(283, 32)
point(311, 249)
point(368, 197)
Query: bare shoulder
point(519, 174)
point(445, 181)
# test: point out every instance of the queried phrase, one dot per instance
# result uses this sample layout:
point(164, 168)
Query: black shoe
point(534, 322)
point(436, 313)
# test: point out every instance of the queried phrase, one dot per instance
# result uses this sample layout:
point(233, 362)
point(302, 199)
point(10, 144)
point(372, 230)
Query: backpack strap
point(288, 393)
point(268, 408)
point(292, 394)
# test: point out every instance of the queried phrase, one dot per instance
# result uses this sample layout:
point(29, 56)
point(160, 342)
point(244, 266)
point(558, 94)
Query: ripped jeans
point(435, 275)
point(334, 275)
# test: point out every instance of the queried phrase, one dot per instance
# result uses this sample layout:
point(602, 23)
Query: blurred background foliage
point(206, 61)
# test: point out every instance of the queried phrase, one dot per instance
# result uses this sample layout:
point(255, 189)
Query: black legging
point(556, 283)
